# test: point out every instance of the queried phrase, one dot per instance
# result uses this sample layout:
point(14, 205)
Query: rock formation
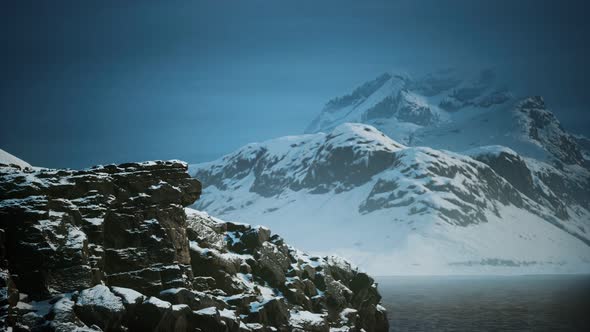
point(113, 248)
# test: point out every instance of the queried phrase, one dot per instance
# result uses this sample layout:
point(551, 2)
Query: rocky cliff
point(113, 248)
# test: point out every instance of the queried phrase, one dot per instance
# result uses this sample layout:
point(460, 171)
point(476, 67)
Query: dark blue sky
point(117, 81)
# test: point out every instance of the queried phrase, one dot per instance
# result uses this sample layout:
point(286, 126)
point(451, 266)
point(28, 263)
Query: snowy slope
point(395, 209)
point(8, 159)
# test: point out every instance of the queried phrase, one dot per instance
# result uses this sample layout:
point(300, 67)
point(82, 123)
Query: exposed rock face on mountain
point(113, 248)
point(543, 128)
point(383, 201)
point(584, 143)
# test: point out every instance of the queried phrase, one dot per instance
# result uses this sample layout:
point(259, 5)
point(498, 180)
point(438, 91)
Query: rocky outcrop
point(113, 248)
point(123, 225)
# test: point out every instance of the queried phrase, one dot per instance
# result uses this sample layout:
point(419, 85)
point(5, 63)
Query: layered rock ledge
point(114, 248)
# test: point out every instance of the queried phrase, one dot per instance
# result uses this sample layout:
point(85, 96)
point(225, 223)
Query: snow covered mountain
point(397, 209)
point(445, 111)
point(513, 196)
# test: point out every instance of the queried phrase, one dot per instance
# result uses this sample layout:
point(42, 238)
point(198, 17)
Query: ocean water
point(489, 303)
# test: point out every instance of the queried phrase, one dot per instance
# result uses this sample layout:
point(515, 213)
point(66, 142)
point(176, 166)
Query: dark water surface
point(494, 303)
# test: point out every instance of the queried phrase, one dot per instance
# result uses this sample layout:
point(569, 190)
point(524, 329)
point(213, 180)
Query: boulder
point(273, 312)
point(271, 264)
point(255, 237)
point(63, 318)
point(152, 314)
point(99, 306)
point(209, 319)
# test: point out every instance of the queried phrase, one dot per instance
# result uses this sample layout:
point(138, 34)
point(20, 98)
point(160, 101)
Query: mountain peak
point(362, 135)
point(359, 94)
point(534, 102)
point(400, 105)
